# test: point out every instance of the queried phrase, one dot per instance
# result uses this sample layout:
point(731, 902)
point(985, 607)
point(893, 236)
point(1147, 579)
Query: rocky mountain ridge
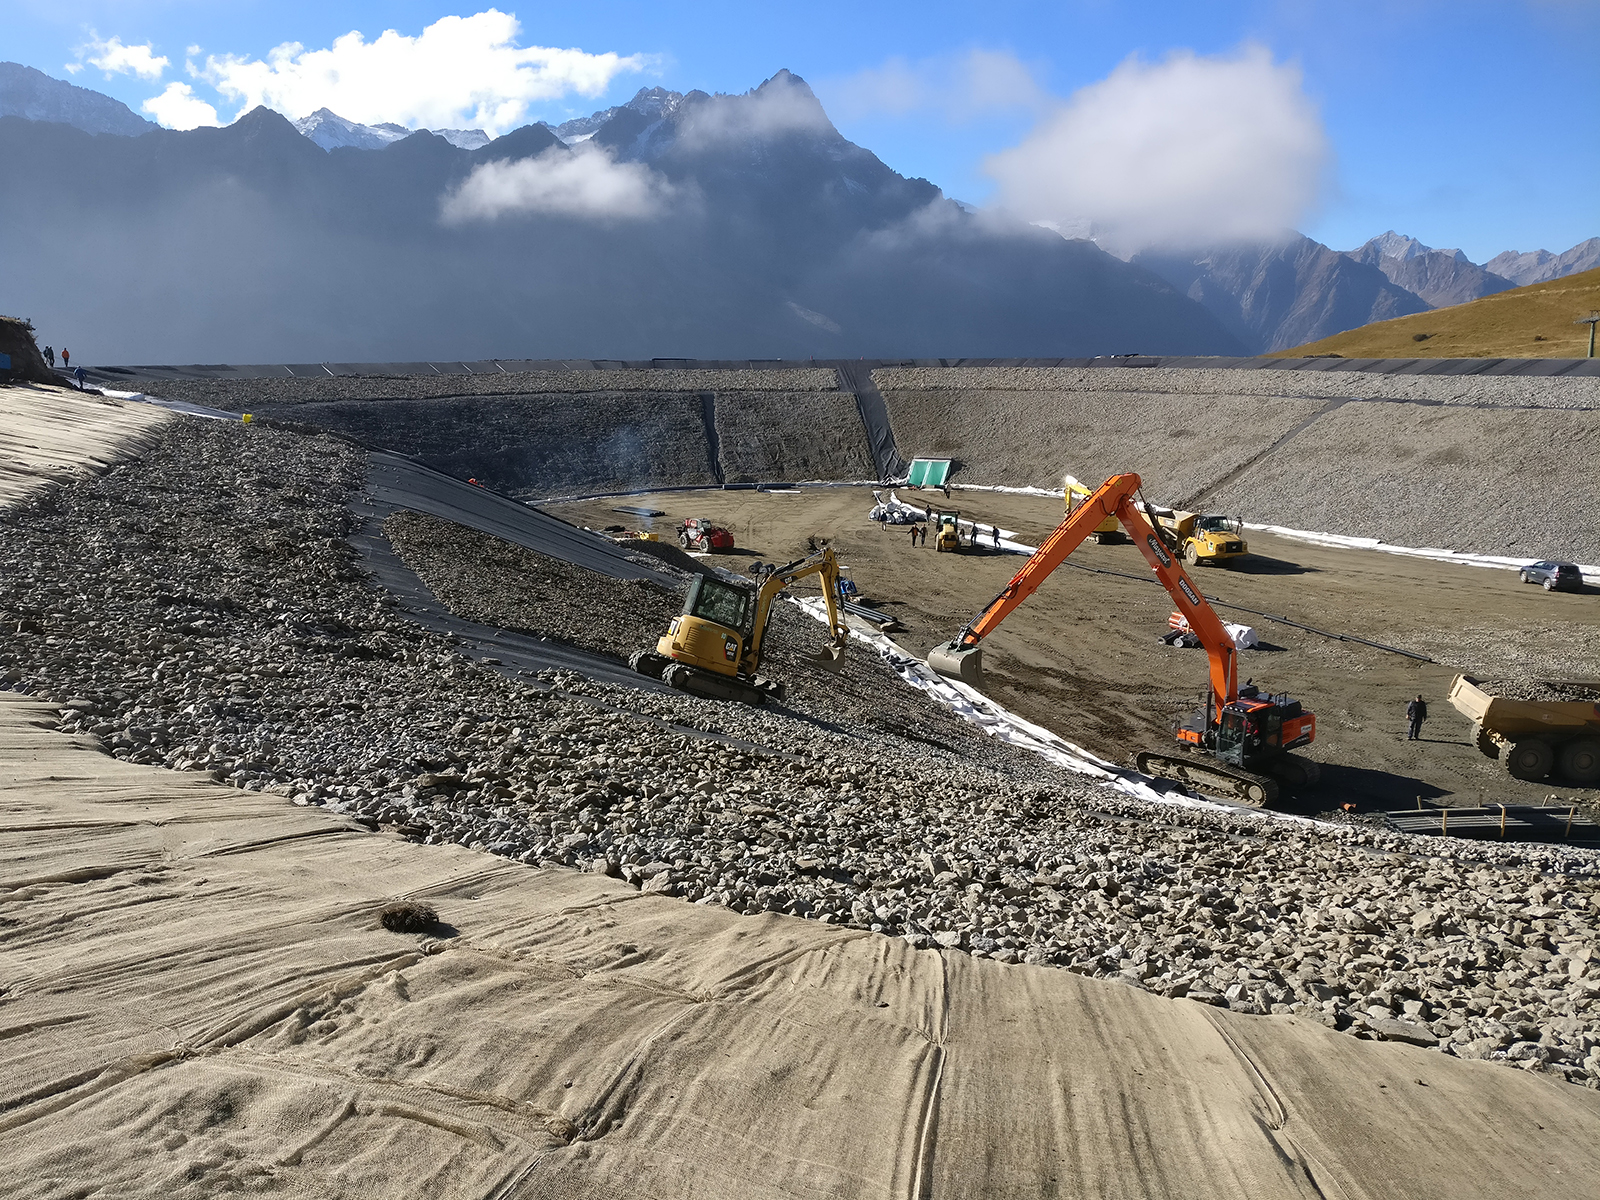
point(759, 232)
point(780, 175)
point(35, 96)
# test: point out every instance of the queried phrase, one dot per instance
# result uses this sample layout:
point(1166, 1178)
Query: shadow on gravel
point(1366, 788)
point(1257, 564)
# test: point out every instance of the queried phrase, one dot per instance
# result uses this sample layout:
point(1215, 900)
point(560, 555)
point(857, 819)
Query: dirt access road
point(1082, 656)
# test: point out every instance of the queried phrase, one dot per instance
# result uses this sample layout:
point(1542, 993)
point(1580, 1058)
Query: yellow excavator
point(714, 647)
point(1238, 745)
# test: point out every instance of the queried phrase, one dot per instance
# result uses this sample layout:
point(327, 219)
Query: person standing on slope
point(66, 357)
point(50, 357)
point(1416, 714)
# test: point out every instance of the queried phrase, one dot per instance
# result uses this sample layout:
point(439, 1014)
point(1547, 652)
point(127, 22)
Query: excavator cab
point(714, 627)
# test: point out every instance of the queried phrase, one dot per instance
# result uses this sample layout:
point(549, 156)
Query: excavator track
point(720, 687)
point(1209, 776)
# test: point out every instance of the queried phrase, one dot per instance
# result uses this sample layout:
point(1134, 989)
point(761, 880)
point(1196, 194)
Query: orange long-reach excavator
point(1238, 745)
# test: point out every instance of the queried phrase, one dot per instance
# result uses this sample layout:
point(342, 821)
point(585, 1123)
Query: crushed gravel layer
point(494, 582)
point(1447, 463)
point(244, 395)
point(1493, 390)
point(1179, 445)
point(199, 609)
point(535, 445)
point(1486, 481)
point(773, 437)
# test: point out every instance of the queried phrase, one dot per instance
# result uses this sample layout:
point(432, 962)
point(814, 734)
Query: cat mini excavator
point(714, 648)
point(1237, 746)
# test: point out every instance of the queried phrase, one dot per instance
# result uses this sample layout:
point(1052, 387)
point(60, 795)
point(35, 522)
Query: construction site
point(751, 778)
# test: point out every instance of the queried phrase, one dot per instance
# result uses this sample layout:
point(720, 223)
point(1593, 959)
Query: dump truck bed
point(1518, 718)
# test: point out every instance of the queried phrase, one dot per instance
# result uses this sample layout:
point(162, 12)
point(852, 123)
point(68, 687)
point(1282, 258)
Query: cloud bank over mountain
point(583, 182)
point(1190, 151)
point(459, 71)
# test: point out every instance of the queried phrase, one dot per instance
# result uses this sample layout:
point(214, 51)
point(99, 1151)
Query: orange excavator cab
point(1237, 746)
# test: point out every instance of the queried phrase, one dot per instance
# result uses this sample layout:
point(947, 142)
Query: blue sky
point(1464, 124)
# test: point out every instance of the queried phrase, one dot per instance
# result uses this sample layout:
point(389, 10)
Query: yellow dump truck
point(1203, 539)
point(1074, 493)
point(1533, 739)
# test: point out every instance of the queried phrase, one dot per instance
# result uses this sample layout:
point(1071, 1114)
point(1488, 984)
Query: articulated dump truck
point(1533, 739)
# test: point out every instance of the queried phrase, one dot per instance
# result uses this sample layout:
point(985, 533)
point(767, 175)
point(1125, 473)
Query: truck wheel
point(1530, 759)
point(1580, 761)
point(1191, 555)
point(1486, 743)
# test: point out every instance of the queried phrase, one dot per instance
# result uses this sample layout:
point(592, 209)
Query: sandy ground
point(1082, 656)
point(199, 997)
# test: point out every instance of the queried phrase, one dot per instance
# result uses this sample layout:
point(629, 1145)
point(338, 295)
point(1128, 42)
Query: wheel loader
point(714, 647)
point(1238, 745)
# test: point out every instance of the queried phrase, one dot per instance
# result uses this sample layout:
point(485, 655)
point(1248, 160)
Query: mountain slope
point(35, 96)
point(1276, 295)
point(1440, 277)
point(1536, 266)
point(769, 235)
point(1528, 322)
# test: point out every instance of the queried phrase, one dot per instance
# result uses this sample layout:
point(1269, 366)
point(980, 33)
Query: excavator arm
point(823, 564)
point(962, 658)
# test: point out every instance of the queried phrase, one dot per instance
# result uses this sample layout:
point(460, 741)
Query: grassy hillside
point(1530, 322)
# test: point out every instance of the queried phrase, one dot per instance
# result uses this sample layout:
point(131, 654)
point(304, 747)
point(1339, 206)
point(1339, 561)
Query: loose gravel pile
point(1497, 390)
point(249, 395)
point(199, 609)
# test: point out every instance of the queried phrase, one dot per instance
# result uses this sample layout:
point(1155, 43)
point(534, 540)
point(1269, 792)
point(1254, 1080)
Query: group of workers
point(919, 534)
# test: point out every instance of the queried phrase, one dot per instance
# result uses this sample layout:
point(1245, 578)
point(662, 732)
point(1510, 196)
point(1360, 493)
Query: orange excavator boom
point(962, 659)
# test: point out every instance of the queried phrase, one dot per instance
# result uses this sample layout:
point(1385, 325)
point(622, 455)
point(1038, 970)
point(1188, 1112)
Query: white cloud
point(1187, 152)
point(781, 105)
point(582, 182)
point(112, 57)
point(179, 108)
point(460, 72)
point(957, 87)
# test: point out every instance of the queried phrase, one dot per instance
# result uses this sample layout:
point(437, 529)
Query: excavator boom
point(823, 564)
point(963, 658)
point(1237, 732)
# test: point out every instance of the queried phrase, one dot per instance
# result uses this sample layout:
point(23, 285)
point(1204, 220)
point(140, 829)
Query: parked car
point(1554, 576)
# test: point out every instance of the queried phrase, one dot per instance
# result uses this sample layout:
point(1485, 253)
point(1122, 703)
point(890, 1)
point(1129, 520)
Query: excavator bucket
point(829, 658)
point(955, 661)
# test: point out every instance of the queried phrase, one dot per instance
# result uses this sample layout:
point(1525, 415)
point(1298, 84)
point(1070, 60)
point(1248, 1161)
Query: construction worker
point(913, 537)
point(66, 357)
point(1416, 714)
point(997, 537)
point(50, 357)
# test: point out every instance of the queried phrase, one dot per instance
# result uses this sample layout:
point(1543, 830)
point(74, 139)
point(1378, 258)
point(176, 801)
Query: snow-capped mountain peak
point(650, 102)
point(330, 131)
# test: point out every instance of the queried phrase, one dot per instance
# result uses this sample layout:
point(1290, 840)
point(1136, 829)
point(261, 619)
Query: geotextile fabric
point(200, 995)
